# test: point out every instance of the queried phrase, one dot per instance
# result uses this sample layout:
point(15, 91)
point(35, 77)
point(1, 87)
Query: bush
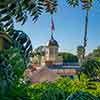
point(81, 96)
point(12, 67)
point(64, 85)
point(53, 94)
point(91, 68)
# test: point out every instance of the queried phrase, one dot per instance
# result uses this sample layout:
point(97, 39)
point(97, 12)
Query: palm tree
point(86, 5)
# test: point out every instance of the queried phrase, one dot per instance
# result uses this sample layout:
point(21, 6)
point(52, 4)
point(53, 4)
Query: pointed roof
point(52, 41)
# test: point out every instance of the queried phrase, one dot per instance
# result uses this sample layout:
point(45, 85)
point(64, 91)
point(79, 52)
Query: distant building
point(51, 53)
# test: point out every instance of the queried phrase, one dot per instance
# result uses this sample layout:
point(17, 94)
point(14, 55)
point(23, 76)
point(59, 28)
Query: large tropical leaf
point(21, 9)
point(22, 40)
point(81, 96)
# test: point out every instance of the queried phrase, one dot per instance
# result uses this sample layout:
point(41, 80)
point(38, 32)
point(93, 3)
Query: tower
point(51, 53)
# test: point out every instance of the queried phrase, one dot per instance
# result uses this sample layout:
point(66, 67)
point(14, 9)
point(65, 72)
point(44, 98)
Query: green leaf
point(5, 18)
point(3, 11)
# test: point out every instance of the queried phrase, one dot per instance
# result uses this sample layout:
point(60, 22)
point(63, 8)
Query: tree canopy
point(95, 54)
point(68, 57)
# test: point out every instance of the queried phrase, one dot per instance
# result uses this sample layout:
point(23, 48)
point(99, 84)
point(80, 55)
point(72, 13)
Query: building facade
point(51, 53)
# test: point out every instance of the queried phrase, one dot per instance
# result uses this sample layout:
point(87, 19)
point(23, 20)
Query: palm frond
point(22, 38)
point(20, 9)
point(73, 3)
point(86, 4)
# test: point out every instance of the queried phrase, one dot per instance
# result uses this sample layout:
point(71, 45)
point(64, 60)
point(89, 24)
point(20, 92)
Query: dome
point(52, 42)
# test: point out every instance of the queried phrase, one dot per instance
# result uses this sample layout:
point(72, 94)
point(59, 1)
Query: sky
point(69, 28)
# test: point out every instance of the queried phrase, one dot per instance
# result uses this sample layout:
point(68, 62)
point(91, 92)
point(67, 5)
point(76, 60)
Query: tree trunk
point(85, 34)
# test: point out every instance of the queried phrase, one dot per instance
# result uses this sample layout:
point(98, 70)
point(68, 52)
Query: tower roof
point(53, 42)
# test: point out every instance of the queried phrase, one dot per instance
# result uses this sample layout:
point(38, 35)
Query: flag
point(52, 25)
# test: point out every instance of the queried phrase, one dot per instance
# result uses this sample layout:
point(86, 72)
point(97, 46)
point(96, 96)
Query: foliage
point(95, 54)
point(23, 42)
point(81, 96)
point(91, 68)
point(36, 90)
point(52, 94)
point(73, 3)
point(21, 9)
point(68, 57)
point(67, 85)
point(12, 67)
point(86, 4)
point(64, 84)
point(18, 91)
point(70, 86)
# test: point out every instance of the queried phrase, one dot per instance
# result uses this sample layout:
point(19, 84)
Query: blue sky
point(69, 28)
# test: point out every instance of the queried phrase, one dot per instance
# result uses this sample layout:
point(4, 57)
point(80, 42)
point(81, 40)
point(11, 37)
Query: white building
point(51, 53)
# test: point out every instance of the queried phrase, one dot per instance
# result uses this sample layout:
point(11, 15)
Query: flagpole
point(52, 34)
point(52, 27)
